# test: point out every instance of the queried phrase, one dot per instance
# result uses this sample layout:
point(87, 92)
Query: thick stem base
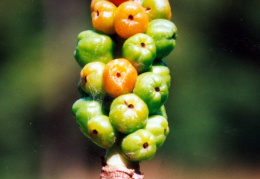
point(119, 172)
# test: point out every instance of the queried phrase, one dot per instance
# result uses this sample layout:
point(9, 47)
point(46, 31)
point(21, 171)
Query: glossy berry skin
point(157, 9)
point(139, 145)
point(93, 46)
point(152, 89)
point(158, 126)
point(119, 77)
point(84, 109)
point(164, 33)
point(93, 3)
point(162, 112)
point(130, 19)
point(103, 16)
point(159, 67)
point(101, 132)
point(82, 93)
point(92, 79)
point(140, 50)
point(128, 113)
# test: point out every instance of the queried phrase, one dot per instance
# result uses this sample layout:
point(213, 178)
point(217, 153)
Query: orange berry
point(130, 19)
point(103, 17)
point(119, 77)
point(93, 2)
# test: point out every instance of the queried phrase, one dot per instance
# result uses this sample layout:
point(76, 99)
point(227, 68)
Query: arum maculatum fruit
point(122, 95)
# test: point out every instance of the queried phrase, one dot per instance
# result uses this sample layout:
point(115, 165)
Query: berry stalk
point(117, 166)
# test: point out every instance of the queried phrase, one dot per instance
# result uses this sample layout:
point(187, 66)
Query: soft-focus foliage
point(213, 108)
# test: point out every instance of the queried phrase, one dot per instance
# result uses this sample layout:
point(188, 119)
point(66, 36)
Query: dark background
point(213, 107)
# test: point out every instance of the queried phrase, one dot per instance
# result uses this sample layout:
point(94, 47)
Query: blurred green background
point(213, 107)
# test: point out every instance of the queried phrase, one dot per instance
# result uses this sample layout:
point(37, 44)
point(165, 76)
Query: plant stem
point(109, 172)
point(118, 167)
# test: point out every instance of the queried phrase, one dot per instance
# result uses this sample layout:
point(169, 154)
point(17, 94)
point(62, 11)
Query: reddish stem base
point(110, 172)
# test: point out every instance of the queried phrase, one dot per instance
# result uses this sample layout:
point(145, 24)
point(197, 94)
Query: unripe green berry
point(128, 113)
point(158, 126)
point(139, 145)
point(101, 131)
point(86, 108)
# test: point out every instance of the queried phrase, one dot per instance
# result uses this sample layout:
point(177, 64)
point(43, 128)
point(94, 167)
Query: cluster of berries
point(122, 97)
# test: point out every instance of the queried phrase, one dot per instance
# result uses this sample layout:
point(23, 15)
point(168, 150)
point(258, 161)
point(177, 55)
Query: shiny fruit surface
point(164, 33)
point(93, 46)
point(130, 19)
point(162, 112)
point(139, 145)
point(128, 113)
point(101, 132)
point(82, 93)
point(157, 9)
point(119, 77)
point(92, 79)
point(160, 68)
point(103, 17)
point(86, 108)
point(158, 126)
point(152, 89)
point(140, 50)
point(93, 2)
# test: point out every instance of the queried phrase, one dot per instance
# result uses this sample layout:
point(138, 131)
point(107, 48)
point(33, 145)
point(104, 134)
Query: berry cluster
point(124, 81)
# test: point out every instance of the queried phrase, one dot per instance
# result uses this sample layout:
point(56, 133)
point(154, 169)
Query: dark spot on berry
point(145, 145)
point(131, 106)
point(147, 9)
point(83, 81)
point(95, 132)
point(118, 75)
point(164, 130)
point(157, 89)
point(174, 36)
point(131, 17)
point(143, 45)
point(97, 13)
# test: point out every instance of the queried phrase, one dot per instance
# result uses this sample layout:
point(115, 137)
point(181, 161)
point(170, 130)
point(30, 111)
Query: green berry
point(101, 131)
point(139, 145)
point(86, 108)
point(140, 50)
point(152, 89)
point(128, 113)
point(162, 112)
point(93, 46)
point(164, 33)
point(160, 68)
point(158, 126)
point(92, 79)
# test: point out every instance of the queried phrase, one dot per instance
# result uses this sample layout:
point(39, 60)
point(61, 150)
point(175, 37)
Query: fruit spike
point(122, 97)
